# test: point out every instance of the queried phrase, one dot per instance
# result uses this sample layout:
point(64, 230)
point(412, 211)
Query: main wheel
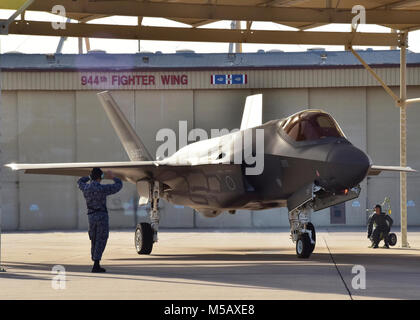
point(143, 239)
point(392, 239)
point(311, 227)
point(303, 246)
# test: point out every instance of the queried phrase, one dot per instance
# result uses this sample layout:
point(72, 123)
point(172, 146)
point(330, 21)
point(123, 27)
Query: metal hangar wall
point(51, 114)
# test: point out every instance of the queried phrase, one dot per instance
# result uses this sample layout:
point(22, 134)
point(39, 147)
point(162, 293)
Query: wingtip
point(379, 169)
point(12, 166)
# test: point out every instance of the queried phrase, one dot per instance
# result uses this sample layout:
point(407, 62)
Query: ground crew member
point(95, 194)
point(383, 223)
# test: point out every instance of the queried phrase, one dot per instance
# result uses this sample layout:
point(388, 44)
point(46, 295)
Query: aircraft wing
point(126, 170)
point(375, 170)
point(140, 166)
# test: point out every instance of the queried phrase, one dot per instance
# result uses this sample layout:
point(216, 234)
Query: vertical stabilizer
point(131, 142)
point(252, 116)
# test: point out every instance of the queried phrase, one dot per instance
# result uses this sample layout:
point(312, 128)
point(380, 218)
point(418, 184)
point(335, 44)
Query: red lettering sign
point(121, 80)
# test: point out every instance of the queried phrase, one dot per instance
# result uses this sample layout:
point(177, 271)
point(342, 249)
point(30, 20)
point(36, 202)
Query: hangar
point(50, 113)
point(401, 15)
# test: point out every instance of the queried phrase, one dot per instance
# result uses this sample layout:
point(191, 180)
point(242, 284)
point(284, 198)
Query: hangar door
point(338, 214)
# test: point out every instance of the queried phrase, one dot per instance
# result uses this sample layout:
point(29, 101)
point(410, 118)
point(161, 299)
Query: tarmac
point(210, 264)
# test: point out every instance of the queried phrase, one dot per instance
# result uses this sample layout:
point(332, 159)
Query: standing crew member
point(95, 194)
point(383, 223)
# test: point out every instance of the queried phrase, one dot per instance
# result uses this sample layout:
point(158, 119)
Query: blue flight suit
point(95, 195)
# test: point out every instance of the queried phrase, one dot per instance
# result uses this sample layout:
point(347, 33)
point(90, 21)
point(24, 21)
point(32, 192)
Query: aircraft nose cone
point(348, 166)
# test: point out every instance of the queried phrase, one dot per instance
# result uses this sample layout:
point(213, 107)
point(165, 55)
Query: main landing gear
point(302, 231)
point(147, 233)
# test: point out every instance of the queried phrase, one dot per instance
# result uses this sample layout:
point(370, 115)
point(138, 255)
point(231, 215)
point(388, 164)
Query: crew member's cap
point(96, 173)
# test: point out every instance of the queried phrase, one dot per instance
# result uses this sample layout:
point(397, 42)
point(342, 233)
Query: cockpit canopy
point(311, 125)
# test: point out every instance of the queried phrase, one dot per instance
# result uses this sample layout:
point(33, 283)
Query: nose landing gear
point(302, 232)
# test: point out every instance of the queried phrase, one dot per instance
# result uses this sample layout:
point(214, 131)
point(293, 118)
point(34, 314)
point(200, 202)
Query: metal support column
point(139, 22)
point(80, 45)
point(402, 102)
point(238, 46)
point(1, 160)
point(403, 138)
point(61, 42)
point(87, 44)
point(377, 77)
point(1, 268)
point(235, 47)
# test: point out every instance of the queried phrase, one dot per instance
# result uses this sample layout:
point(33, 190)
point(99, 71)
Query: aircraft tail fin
point(252, 116)
point(131, 142)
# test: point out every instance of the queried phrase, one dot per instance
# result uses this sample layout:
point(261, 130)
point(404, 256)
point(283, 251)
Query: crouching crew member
point(382, 223)
point(95, 194)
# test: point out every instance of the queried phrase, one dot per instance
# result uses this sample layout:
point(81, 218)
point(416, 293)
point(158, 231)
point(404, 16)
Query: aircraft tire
point(392, 239)
point(143, 238)
point(303, 246)
point(311, 227)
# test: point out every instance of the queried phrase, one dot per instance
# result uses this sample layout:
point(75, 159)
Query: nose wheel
point(303, 246)
point(305, 243)
point(302, 232)
point(310, 227)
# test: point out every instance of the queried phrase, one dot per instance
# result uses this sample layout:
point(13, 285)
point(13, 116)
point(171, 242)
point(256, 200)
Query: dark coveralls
point(383, 223)
point(95, 195)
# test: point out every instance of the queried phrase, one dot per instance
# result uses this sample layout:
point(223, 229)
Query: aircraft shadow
point(388, 276)
point(19, 276)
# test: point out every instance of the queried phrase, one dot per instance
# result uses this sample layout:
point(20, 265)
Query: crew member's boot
point(97, 268)
point(386, 245)
point(376, 238)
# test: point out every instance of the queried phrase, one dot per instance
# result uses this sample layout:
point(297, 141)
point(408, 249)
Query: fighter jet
point(306, 164)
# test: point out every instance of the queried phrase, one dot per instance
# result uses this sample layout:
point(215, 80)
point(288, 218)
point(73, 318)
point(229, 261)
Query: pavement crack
point(338, 270)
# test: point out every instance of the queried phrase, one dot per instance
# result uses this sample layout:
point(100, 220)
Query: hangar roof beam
point(378, 78)
point(202, 34)
point(216, 12)
point(4, 24)
point(403, 4)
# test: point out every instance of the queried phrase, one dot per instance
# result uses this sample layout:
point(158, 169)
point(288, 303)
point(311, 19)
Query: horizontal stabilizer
point(133, 145)
point(375, 170)
point(252, 116)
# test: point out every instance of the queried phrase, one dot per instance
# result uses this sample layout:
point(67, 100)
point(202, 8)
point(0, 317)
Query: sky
point(41, 44)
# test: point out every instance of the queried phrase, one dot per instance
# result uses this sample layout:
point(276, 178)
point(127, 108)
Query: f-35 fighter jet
point(303, 162)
